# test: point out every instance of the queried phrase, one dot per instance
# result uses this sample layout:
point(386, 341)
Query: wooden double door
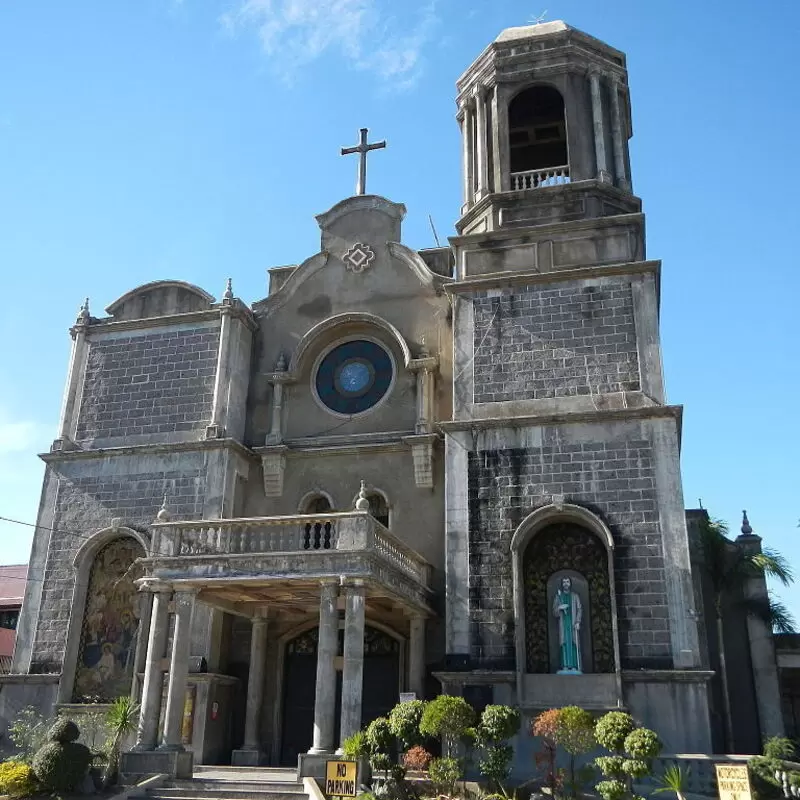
point(380, 692)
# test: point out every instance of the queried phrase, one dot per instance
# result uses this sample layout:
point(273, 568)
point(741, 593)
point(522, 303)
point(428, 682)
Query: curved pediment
point(158, 299)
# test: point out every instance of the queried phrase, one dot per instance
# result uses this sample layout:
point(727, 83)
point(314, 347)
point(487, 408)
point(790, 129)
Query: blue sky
point(198, 139)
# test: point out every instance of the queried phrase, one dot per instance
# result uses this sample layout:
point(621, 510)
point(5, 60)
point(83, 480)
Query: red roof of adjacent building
point(12, 584)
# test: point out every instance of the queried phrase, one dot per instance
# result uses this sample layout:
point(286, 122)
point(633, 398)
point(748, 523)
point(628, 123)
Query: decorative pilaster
point(353, 668)
point(277, 379)
point(416, 656)
point(327, 646)
point(599, 133)
point(467, 152)
point(70, 405)
point(147, 734)
point(617, 136)
point(178, 670)
point(422, 456)
point(481, 154)
point(219, 407)
point(762, 644)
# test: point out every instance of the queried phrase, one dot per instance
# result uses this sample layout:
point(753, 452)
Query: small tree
point(121, 720)
point(404, 722)
point(496, 726)
point(633, 752)
point(448, 718)
point(545, 726)
point(380, 743)
point(575, 733)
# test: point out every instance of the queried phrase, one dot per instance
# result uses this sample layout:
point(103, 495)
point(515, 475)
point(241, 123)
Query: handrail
point(536, 178)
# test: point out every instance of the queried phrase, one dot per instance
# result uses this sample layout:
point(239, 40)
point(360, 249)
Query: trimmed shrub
point(642, 744)
point(379, 739)
point(497, 724)
point(448, 718)
point(404, 720)
point(417, 758)
point(496, 762)
point(444, 772)
point(63, 730)
point(17, 779)
point(612, 729)
point(61, 766)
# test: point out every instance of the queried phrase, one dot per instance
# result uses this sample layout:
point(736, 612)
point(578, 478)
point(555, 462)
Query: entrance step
point(225, 783)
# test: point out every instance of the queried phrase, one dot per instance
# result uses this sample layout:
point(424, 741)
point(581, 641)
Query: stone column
point(353, 671)
point(178, 670)
point(481, 154)
point(327, 647)
point(142, 637)
point(416, 656)
point(222, 380)
point(467, 154)
point(762, 646)
point(255, 684)
point(147, 734)
point(617, 136)
point(599, 133)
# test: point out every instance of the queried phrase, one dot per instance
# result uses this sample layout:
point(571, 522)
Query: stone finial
point(423, 348)
point(163, 515)
point(746, 529)
point(280, 365)
point(83, 313)
point(362, 503)
point(228, 295)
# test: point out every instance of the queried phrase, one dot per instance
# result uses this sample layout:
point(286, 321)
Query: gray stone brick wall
point(83, 506)
point(555, 341)
point(155, 383)
point(616, 480)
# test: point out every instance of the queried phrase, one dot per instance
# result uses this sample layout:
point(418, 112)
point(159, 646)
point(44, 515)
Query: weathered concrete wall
point(607, 468)
point(555, 341)
point(144, 386)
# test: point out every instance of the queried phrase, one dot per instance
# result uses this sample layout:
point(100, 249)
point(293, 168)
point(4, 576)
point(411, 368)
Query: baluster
point(326, 542)
point(317, 535)
point(307, 537)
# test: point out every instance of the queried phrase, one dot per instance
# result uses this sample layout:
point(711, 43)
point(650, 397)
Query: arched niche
point(103, 631)
point(553, 542)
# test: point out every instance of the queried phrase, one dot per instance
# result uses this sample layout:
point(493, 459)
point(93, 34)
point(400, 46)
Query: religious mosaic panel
point(557, 548)
point(110, 624)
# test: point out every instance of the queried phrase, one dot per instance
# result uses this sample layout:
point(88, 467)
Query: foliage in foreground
point(17, 779)
point(633, 750)
point(62, 763)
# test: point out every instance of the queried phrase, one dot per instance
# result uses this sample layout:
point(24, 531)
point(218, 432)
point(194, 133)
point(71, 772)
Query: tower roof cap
point(527, 31)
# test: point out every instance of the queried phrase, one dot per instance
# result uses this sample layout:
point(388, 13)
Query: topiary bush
point(444, 772)
point(62, 763)
point(612, 729)
point(17, 779)
point(448, 718)
point(404, 720)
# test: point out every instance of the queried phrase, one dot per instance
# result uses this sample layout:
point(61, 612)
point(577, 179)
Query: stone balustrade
point(536, 178)
point(339, 532)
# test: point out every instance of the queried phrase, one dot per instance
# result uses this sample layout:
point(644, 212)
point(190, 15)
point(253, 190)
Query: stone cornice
point(236, 309)
point(501, 279)
point(667, 676)
point(388, 442)
point(147, 449)
point(621, 415)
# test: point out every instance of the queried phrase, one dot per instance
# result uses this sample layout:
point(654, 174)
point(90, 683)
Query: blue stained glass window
point(354, 376)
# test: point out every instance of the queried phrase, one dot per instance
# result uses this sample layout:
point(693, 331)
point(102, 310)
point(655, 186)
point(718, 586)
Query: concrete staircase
point(228, 783)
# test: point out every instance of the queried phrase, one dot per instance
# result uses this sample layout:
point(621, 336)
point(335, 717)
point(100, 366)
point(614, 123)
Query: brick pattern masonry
point(617, 481)
point(89, 504)
point(149, 384)
point(542, 342)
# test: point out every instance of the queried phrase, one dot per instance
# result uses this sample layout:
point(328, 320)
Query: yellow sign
point(340, 778)
point(733, 782)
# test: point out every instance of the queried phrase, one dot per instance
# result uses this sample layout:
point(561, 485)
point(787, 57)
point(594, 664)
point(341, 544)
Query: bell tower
point(544, 105)
point(569, 577)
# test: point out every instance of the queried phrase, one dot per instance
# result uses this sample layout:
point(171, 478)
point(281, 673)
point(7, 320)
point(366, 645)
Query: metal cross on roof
point(362, 148)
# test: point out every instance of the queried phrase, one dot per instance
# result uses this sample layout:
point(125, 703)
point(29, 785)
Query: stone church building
point(270, 520)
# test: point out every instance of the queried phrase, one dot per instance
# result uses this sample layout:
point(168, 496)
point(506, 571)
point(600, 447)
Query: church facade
point(401, 472)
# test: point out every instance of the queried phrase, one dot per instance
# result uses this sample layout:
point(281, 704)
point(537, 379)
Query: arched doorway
point(380, 693)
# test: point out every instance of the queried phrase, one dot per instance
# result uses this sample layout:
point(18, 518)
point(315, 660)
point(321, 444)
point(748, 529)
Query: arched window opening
point(538, 138)
point(379, 508)
point(567, 595)
point(110, 626)
point(318, 535)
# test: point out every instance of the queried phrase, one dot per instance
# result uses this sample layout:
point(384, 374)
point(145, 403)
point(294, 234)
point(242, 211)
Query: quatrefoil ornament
point(359, 257)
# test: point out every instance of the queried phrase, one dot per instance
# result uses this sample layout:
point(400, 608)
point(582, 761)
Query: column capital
point(260, 622)
point(154, 585)
point(353, 586)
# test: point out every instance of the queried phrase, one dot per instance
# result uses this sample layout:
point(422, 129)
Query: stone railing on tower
point(310, 535)
point(537, 178)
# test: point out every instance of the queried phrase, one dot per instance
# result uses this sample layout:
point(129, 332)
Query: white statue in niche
point(568, 610)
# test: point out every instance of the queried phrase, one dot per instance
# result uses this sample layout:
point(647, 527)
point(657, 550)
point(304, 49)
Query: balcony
point(538, 178)
point(283, 558)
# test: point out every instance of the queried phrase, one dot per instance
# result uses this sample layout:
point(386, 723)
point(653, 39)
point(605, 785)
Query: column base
point(135, 765)
point(248, 758)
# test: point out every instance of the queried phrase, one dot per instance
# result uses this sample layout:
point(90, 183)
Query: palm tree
point(121, 719)
point(729, 567)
